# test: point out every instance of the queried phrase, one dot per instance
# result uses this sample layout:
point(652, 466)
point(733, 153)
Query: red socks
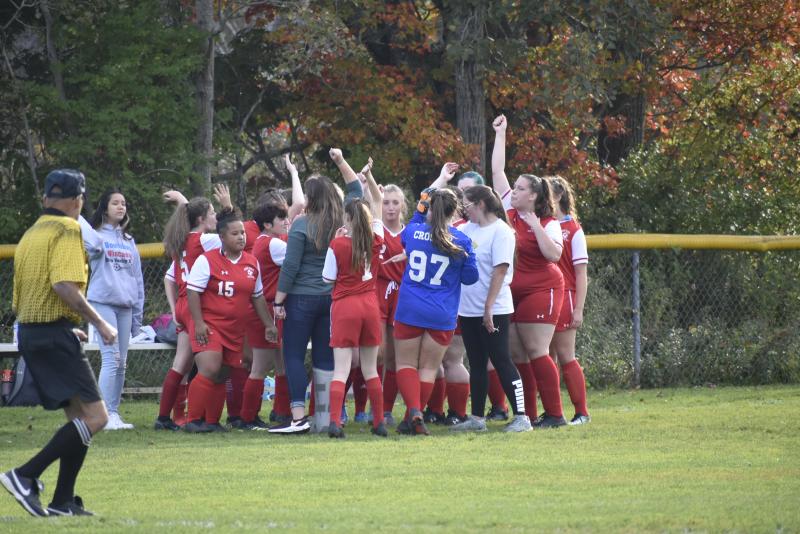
point(529, 387)
point(251, 399)
point(215, 405)
point(359, 390)
point(311, 403)
point(336, 399)
point(547, 381)
point(457, 396)
point(375, 393)
point(389, 390)
point(179, 408)
point(281, 402)
point(169, 392)
point(201, 390)
point(436, 402)
point(576, 385)
point(238, 376)
point(425, 390)
point(496, 394)
point(409, 386)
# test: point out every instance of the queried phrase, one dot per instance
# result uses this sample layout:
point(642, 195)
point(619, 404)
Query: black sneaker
point(258, 424)
point(293, 426)
point(26, 491)
point(379, 430)
point(216, 427)
point(196, 427)
point(538, 419)
point(73, 507)
point(432, 417)
point(579, 419)
point(335, 431)
point(453, 418)
point(404, 427)
point(165, 423)
point(273, 417)
point(231, 420)
point(496, 414)
point(418, 427)
point(549, 421)
point(239, 424)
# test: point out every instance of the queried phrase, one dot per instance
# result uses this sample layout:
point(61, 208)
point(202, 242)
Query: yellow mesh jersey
point(51, 251)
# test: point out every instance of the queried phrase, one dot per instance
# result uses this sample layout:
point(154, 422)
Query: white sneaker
point(471, 424)
point(520, 423)
point(115, 422)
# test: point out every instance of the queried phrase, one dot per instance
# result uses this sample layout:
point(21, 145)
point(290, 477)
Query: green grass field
point(725, 459)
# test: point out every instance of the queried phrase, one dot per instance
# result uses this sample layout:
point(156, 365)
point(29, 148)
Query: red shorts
point(218, 341)
point(255, 331)
point(355, 321)
point(567, 305)
point(387, 292)
point(405, 331)
point(183, 317)
point(541, 306)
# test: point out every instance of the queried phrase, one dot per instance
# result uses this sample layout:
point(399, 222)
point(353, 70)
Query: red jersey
point(574, 251)
point(532, 271)
point(392, 246)
point(196, 244)
point(226, 289)
point(270, 252)
point(339, 269)
point(251, 233)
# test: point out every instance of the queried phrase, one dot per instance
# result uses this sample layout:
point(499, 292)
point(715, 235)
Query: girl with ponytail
point(537, 288)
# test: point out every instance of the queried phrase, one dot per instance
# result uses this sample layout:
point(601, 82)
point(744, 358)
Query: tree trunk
point(204, 91)
point(52, 53)
point(612, 150)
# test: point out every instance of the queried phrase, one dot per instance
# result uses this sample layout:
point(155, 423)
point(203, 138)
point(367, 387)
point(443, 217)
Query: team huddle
point(388, 305)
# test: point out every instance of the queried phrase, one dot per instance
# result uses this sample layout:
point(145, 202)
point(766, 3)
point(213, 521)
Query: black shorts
point(60, 370)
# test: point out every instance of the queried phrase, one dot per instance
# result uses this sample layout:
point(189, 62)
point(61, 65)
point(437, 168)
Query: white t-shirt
point(493, 245)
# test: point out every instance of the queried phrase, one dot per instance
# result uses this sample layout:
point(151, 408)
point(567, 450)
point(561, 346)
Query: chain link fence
point(706, 316)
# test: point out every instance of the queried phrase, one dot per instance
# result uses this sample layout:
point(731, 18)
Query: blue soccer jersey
point(431, 286)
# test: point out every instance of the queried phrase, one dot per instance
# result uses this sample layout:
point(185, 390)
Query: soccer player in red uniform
point(573, 263)
point(538, 285)
point(219, 287)
point(351, 264)
point(185, 239)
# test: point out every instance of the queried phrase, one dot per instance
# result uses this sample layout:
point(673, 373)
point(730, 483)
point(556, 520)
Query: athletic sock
point(179, 408)
point(496, 394)
point(576, 385)
point(233, 394)
point(375, 393)
point(389, 390)
point(548, 384)
point(311, 403)
point(457, 397)
point(169, 391)
point(359, 390)
point(337, 392)
point(281, 401)
point(529, 388)
point(69, 467)
point(251, 399)
point(199, 398)
point(217, 402)
point(436, 402)
point(69, 440)
point(409, 386)
point(425, 390)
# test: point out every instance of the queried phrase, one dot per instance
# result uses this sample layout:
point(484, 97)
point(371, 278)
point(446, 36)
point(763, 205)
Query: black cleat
point(432, 417)
point(579, 419)
point(549, 421)
point(239, 424)
point(404, 427)
point(258, 424)
point(216, 427)
point(231, 420)
point(196, 427)
point(165, 423)
point(453, 418)
point(379, 430)
point(418, 427)
point(26, 491)
point(335, 431)
point(496, 414)
point(73, 507)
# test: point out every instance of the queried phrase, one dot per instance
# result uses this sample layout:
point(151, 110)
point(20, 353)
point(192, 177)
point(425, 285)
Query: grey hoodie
point(116, 270)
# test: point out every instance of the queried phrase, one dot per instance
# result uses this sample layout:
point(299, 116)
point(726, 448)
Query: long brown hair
point(443, 206)
point(361, 234)
point(543, 207)
point(490, 199)
point(562, 188)
point(99, 216)
point(180, 223)
point(323, 210)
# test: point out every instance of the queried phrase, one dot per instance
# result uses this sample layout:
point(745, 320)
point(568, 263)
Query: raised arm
point(298, 198)
point(375, 196)
point(92, 241)
point(348, 173)
point(499, 178)
point(448, 171)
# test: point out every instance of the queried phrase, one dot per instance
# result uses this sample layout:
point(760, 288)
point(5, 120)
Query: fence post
point(636, 317)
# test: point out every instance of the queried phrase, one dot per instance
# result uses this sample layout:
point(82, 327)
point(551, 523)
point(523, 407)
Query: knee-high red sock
point(425, 390)
point(436, 401)
point(179, 408)
point(529, 388)
point(457, 396)
point(380, 373)
point(217, 401)
point(389, 390)
point(576, 385)
point(169, 391)
point(359, 390)
point(409, 386)
point(200, 394)
point(280, 404)
point(375, 393)
point(496, 394)
point(337, 392)
point(311, 404)
point(237, 379)
point(251, 399)
point(549, 387)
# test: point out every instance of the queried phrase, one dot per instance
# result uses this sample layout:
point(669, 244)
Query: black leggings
point(482, 346)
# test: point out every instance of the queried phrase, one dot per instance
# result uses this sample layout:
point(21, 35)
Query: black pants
point(483, 346)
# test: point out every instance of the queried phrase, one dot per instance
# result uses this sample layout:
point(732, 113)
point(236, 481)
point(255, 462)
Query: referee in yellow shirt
point(49, 283)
